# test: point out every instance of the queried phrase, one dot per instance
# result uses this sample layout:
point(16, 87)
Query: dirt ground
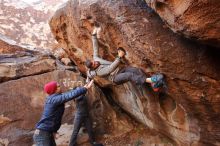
point(139, 136)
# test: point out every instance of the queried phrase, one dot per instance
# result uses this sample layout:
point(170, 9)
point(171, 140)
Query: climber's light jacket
point(106, 69)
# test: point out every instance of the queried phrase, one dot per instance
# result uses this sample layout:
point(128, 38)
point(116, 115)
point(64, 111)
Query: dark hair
point(96, 24)
point(122, 49)
point(88, 63)
point(88, 17)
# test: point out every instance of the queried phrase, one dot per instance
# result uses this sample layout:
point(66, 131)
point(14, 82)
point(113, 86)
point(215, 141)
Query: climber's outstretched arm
point(95, 45)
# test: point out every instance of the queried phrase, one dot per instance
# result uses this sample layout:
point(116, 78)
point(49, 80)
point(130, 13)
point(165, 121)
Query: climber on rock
point(54, 107)
point(110, 70)
point(82, 117)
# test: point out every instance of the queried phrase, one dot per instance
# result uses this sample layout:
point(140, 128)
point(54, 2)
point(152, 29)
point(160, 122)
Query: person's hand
point(121, 53)
point(89, 84)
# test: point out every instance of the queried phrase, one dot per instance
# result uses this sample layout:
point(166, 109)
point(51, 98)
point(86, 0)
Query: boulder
point(20, 65)
point(23, 74)
point(17, 62)
point(199, 20)
point(17, 127)
point(188, 112)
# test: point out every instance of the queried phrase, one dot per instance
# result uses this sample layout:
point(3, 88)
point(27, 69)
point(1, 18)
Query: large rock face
point(22, 75)
point(189, 111)
point(22, 99)
point(17, 127)
point(24, 64)
point(17, 62)
point(195, 19)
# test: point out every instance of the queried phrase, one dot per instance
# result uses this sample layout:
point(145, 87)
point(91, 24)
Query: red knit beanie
point(51, 87)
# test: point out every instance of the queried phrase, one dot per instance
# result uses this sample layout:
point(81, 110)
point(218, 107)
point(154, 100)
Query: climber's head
point(92, 64)
point(52, 87)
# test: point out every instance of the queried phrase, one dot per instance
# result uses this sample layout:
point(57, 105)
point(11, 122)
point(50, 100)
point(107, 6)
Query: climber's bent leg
point(134, 70)
point(121, 78)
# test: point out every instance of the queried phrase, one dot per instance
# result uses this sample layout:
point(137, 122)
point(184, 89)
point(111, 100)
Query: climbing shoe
point(158, 82)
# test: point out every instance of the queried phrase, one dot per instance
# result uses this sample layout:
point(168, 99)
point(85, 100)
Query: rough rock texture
point(195, 19)
point(24, 64)
point(22, 99)
point(17, 126)
point(17, 62)
point(189, 112)
point(7, 49)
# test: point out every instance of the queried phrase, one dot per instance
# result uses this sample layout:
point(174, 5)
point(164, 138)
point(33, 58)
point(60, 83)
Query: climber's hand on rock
point(121, 53)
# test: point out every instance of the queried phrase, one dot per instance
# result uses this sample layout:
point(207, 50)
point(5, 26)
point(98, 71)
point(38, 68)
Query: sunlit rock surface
point(199, 20)
point(189, 111)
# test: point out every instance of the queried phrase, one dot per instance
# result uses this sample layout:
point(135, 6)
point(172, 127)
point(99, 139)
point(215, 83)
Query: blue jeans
point(44, 138)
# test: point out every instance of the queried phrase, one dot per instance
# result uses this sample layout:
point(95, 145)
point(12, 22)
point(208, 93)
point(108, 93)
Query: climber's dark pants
point(44, 138)
point(132, 74)
point(78, 121)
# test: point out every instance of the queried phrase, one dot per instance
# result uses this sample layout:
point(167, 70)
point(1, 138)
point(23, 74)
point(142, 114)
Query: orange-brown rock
point(189, 112)
point(16, 62)
point(199, 20)
point(22, 98)
point(9, 49)
point(22, 103)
